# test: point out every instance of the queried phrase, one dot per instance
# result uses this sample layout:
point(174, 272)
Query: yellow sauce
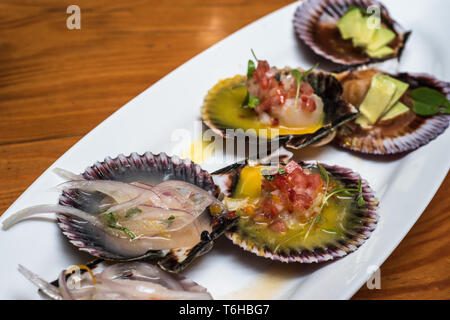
point(266, 285)
point(199, 151)
point(224, 104)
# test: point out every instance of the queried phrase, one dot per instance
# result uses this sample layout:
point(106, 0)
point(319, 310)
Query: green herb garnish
point(350, 192)
point(132, 212)
point(254, 55)
point(267, 174)
point(428, 102)
point(318, 219)
point(111, 219)
point(250, 69)
point(281, 170)
point(253, 101)
point(169, 221)
point(300, 76)
point(250, 101)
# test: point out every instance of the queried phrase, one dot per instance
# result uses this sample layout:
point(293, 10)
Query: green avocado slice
point(378, 98)
point(381, 37)
point(347, 23)
point(380, 53)
point(397, 109)
point(401, 89)
point(364, 34)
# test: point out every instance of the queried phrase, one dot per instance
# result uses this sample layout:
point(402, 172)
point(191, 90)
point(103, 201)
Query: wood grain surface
point(58, 84)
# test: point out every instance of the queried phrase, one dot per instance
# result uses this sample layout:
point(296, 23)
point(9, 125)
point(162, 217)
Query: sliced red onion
point(119, 191)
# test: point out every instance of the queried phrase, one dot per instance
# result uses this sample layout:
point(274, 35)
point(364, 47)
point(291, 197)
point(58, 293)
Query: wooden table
point(58, 84)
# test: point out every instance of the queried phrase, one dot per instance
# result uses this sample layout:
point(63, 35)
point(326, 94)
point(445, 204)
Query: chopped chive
point(132, 212)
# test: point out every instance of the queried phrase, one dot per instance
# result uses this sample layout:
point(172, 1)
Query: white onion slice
point(50, 290)
point(65, 292)
point(132, 280)
point(119, 191)
point(67, 175)
point(48, 208)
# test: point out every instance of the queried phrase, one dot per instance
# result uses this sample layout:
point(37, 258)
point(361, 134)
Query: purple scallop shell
point(420, 132)
point(311, 12)
point(367, 215)
point(150, 168)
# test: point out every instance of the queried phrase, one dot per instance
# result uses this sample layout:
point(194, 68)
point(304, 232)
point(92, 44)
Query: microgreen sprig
point(300, 76)
point(169, 220)
point(345, 191)
point(111, 219)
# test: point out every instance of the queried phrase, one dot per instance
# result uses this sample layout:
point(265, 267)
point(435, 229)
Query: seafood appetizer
point(349, 32)
point(298, 212)
point(140, 206)
point(297, 107)
point(398, 112)
point(120, 281)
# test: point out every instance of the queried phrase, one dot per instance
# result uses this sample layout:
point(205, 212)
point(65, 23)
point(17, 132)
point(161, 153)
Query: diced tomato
point(306, 89)
point(275, 122)
point(310, 105)
point(261, 69)
point(291, 166)
point(281, 96)
point(292, 191)
point(278, 226)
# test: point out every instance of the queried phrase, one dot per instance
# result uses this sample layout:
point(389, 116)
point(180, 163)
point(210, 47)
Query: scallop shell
point(418, 132)
point(366, 215)
point(151, 168)
point(337, 111)
point(313, 13)
point(186, 283)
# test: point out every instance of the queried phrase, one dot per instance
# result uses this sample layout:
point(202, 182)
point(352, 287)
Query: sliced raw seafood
point(120, 281)
point(140, 206)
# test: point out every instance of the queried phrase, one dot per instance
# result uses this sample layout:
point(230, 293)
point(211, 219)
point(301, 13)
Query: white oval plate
point(404, 186)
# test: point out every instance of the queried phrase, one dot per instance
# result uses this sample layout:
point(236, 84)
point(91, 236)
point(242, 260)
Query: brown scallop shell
point(401, 134)
point(149, 168)
point(367, 216)
point(315, 23)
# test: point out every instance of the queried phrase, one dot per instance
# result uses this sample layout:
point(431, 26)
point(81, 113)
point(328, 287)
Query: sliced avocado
point(401, 89)
point(362, 120)
point(347, 23)
point(380, 53)
point(377, 98)
point(397, 109)
point(365, 33)
point(381, 38)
